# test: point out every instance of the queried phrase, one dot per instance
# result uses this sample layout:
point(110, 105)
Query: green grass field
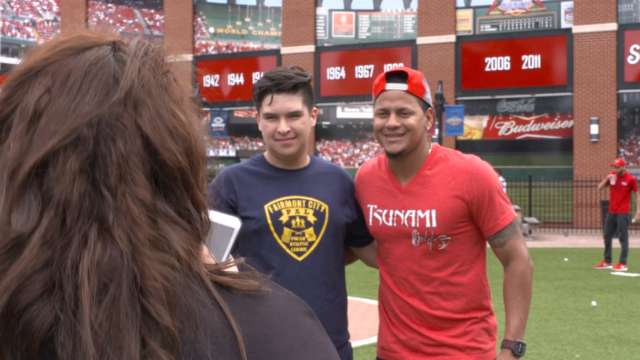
point(563, 325)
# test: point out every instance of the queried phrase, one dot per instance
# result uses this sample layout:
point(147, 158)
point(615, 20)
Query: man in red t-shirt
point(621, 184)
point(432, 211)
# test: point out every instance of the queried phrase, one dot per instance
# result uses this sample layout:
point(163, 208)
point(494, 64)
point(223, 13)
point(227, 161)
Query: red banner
point(225, 80)
point(543, 126)
point(3, 78)
point(631, 56)
point(351, 72)
point(515, 63)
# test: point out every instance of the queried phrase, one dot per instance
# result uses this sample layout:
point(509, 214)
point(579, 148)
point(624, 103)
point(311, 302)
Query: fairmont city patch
point(297, 223)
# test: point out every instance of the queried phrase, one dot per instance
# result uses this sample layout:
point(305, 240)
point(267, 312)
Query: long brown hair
point(102, 203)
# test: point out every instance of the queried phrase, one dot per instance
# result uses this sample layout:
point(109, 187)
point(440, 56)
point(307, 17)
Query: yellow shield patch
point(297, 223)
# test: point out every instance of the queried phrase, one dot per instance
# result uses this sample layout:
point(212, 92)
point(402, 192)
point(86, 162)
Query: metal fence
point(562, 205)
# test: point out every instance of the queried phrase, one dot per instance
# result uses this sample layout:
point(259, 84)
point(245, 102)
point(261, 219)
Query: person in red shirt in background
point(432, 211)
point(621, 184)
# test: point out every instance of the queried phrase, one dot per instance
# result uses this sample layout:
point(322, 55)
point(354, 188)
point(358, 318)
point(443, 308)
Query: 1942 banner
point(228, 80)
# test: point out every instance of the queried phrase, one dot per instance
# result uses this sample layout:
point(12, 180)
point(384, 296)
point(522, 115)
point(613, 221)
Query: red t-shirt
point(620, 192)
point(434, 296)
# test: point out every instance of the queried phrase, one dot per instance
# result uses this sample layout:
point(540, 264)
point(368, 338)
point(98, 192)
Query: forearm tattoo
point(500, 238)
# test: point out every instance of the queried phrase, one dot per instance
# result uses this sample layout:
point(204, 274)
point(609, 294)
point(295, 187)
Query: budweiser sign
point(543, 126)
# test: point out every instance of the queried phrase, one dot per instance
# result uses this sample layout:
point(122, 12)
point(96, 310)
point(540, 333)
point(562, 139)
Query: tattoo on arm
point(500, 238)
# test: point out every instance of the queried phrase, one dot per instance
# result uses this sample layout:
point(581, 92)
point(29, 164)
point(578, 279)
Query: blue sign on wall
point(453, 120)
point(218, 123)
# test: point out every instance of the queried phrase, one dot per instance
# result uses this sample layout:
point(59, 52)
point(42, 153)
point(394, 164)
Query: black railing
point(568, 205)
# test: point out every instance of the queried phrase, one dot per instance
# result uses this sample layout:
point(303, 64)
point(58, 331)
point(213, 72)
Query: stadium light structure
point(439, 108)
point(594, 129)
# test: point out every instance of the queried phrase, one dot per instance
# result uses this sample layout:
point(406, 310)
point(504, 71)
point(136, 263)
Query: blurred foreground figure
point(103, 216)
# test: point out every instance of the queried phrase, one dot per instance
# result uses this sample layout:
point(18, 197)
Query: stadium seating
point(348, 152)
point(126, 19)
point(34, 21)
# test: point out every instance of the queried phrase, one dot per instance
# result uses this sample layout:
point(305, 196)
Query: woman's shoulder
point(276, 324)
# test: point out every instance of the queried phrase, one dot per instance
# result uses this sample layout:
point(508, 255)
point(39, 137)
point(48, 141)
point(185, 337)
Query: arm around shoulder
point(367, 254)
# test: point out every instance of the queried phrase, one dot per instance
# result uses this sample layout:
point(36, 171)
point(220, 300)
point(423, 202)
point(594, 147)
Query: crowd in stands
point(247, 143)
point(30, 20)
point(228, 146)
point(39, 20)
point(126, 18)
point(630, 150)
point(347, 152)
point(202, 47)
point(154, 20)
point(200, 28)
point(220, 147)
point(342, 152)
point(204, 44)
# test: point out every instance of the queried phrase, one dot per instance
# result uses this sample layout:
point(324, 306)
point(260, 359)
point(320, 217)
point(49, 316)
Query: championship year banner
point(515, 63)
point(631, 56)
point(350, 72)
point(228, 80)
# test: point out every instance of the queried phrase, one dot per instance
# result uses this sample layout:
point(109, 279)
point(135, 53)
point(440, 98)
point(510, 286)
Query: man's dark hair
point(284, 80)
point(399, 77)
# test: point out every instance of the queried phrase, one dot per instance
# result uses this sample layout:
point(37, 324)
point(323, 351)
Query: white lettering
point(497, 63)
point(234, 79)
point(336, 73)
point(257, 75)
point(634, 54)
point(506, 128)
point(401, 217)
point(532, 61)
point(364, 71)
point(211, 80)
point(392, 66)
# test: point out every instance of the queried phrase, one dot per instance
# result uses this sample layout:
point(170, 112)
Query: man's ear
point(314, 115)
point(430, 117)
point(258, 119)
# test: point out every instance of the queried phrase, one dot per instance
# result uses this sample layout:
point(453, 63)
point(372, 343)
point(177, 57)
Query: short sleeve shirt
point(620, 192)
point(431, 235)
point(295, 226)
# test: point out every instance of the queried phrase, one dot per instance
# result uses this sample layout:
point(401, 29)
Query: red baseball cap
point(619, 162)
point(410, 80)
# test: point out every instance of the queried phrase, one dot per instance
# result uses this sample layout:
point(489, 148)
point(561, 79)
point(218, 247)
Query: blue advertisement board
point(453, 120)
point(218, 123)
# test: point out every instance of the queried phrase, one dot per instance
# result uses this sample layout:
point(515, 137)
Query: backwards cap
point(619, 162)
point(410, 80)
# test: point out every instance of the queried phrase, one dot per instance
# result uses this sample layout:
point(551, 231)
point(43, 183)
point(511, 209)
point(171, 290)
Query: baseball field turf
point(576, 312)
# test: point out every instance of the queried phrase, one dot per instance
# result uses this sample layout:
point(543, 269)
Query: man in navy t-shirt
point(298, 211)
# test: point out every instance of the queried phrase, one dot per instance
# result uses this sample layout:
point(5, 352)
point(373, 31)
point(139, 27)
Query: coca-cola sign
point(516, 106)
point(543, 126)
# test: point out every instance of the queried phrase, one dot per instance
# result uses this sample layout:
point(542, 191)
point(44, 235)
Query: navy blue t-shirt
point(295, 226)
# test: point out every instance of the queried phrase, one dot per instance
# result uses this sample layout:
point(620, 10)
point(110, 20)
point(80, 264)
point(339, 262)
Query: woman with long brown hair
point(103, 217)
